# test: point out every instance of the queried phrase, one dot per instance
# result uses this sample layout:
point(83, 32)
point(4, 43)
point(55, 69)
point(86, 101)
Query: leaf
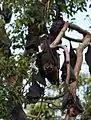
point(85, 9)
point(18, 23)
point(87, 15)
point(90, 6)
point(32, 19)
point(73, 18)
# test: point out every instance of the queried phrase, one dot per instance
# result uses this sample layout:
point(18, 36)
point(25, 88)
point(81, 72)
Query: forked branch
point(86, 42)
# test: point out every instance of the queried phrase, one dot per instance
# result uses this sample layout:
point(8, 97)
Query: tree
point(31, 18)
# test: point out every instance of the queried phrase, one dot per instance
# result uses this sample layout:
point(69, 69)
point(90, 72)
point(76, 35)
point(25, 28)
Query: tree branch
point(54, 98)
point(65, 50)
point(72, 39)
point(86, 41)
point(67, 117)
point(60, 35)
point(78, 29)
point(72, 88)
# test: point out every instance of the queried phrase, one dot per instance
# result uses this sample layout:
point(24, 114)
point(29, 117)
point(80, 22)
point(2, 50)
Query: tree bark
point(86, 42)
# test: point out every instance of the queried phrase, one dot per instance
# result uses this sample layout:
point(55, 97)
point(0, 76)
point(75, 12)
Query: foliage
point(87, 109)
point(28, 11)
point(20, 66)
point(17, 66)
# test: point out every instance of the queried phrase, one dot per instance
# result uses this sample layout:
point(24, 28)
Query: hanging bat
point(7, 14)
point(47, 61)
point(73, 105)
point(73, 59)
point(88, 57)
point(35, 92)
point(18, 113)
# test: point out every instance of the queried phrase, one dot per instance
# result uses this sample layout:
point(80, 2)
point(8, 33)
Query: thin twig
point(54, 98)
point(39, 114)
